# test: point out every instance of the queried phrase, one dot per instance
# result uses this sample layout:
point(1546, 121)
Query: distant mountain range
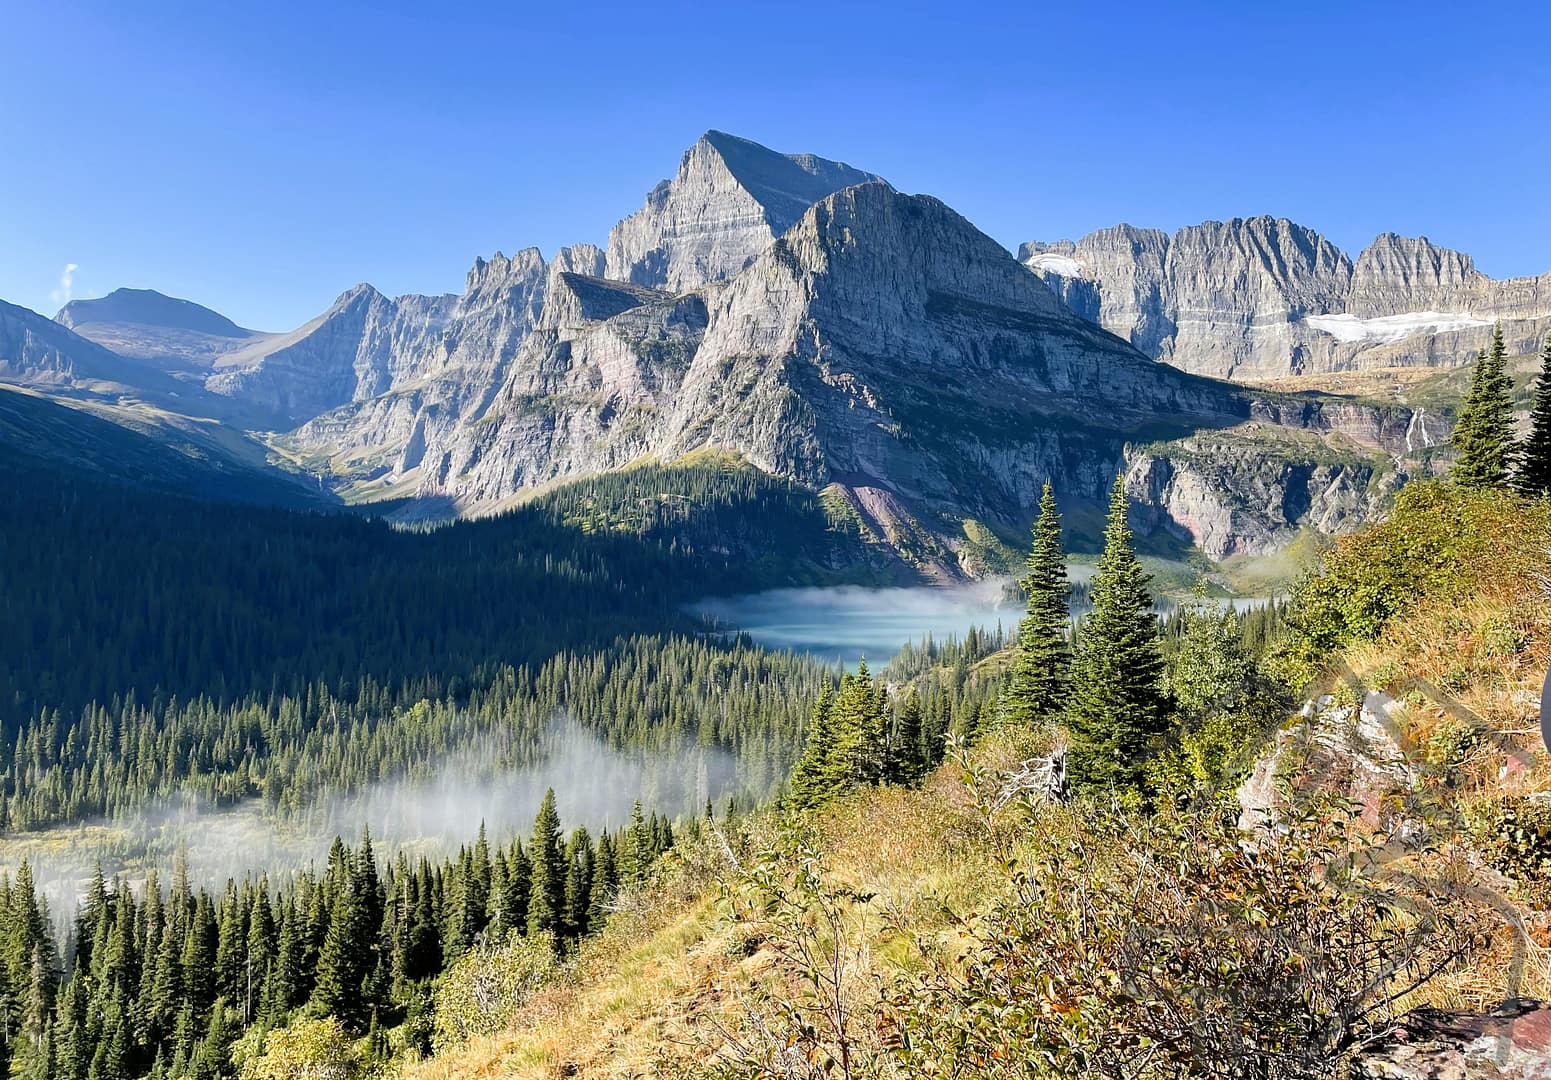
point(1263, 298)
point(873, 347)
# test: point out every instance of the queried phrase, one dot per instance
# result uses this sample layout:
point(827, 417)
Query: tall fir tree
point(1116, 706)
point(346, 959)
point(1038, 687)
point(546, 898)
point(1534, 475)
point(1483, 431)
point(813, 778)
point(907, 748)
point(860, 749)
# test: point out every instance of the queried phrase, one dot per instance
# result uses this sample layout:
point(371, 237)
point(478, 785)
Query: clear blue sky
point(263, 159)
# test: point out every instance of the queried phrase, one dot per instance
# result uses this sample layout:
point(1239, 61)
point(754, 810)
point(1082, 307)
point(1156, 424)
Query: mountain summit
point(729, 200)
point(147, 307)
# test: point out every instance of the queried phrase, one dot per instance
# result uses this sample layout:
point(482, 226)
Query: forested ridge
point(109, 590)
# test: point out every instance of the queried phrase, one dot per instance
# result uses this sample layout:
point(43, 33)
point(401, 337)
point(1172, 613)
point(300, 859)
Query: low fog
point(841, 623)
point(594, 786)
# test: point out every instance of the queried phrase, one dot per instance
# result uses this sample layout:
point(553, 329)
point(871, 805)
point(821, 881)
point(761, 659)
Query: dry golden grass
point(646, 998)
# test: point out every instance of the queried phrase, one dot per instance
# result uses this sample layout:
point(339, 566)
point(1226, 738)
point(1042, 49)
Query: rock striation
point(882, 347)
point(1262, 298)
point(728, 202)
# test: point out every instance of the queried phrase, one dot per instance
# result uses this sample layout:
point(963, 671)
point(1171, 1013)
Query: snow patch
point(1051, 263)
point(1388, 328)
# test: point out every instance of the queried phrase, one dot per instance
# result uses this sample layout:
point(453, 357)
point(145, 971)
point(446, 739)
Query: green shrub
point(483, 990)
point(1440, 543)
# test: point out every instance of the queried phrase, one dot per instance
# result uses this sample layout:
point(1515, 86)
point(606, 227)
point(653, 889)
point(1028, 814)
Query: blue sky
point(263, 158)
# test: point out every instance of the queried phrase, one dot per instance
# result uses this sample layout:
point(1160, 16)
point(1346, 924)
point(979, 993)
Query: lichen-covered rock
point(1509, 1043)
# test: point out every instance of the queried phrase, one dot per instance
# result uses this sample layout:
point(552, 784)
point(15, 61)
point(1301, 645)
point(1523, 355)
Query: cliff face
point(882, 348)
point(1261, 298)
point(729, 200)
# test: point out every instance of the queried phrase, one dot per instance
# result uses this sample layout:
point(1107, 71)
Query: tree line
point(1488, 452)
point(163, 981)
point(660, 701)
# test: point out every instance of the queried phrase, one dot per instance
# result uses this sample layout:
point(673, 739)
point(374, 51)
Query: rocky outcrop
point(729, 200)
point(1251, 490)
point(38, 352)
point(1262, 298)
point(1512, 1042)
point(356, 349)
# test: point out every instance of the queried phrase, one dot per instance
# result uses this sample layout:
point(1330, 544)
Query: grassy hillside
point(956, 929)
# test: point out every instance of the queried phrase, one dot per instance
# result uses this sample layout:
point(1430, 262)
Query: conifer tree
point(860, 749)
point(814, 777)
point(346, 960)
point(1534, 475)
point(1038, 687)
point(215, 1051)
point(1483, 432)
point(73, 1048)
point(907, 749)
point(578, 882)
point(603, 883)
point(633, 854)
point(1115, 707)
point(546, 899)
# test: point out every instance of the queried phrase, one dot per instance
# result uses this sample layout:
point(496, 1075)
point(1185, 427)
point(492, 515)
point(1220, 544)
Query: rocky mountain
point(872, 347)
point(361, 346)
point(178, 337)
point(38, 352)
point(728, 202)
point(882, 351)
point(1263, 298)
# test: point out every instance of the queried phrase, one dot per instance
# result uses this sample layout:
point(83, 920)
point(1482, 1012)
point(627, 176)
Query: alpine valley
point(898, 371)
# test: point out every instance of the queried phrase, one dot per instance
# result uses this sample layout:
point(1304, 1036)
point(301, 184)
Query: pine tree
point(1038, 687)
point(1483, 432)
point(860, 748)
point(907, 749)
point(1116, 703)
point(813, 778)
point(1534, 475)
point(546, 899)
point(346, 960)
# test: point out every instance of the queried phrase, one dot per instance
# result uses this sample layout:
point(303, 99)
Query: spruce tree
point(546, 899)
point(1038, 686)
point(603, 884)
point(860, 747)
point(1534, 475)
point(1115, 708)
point(813, 778)
point(907, 749)
point(1483, 432)
point(346, 959)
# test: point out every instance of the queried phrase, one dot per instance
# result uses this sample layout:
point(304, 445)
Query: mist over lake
point(845, 622)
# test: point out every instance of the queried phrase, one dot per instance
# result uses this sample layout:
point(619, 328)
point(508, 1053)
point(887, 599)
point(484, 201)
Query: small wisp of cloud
point(66, 291)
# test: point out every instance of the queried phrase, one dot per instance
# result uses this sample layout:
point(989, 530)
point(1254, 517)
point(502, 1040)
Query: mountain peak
point(729, 200)
point(147, 307)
